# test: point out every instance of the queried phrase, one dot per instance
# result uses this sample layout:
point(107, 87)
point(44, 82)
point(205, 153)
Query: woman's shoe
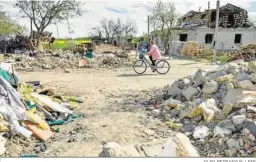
point(153, 69)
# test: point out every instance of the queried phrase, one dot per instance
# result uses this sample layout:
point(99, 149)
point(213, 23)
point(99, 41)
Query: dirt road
point(111, 106)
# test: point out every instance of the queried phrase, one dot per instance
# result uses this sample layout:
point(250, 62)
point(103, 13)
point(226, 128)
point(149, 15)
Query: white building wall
point(226, 37)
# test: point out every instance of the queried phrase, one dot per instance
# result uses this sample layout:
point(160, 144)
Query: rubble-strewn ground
point(60, 60)
point(112, 110)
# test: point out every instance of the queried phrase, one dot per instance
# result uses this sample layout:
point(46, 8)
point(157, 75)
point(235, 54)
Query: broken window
point(231, 20)
point(238, 38)
point(183, 37)
point(208, 38)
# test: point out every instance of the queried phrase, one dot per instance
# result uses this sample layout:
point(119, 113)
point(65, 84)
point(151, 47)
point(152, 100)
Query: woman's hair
point(152, 42)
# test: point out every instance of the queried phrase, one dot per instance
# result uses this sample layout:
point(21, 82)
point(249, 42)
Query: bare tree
point(129, 27)
point(45, 13)
point(164, 15)
point(252, 21)
point(107, 26)
point(124, 30)
point(97, 31)
point(115, 29)
point(112, 29)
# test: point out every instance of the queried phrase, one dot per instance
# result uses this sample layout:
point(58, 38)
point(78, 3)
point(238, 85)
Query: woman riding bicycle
point(153, 53)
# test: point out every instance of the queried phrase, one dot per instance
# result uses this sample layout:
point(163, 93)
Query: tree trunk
point(38, 42)
point(31, 29)
point(166, 51)
point(166, 48)
point(108, 37)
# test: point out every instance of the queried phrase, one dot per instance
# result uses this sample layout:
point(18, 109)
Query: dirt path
point(111, 106)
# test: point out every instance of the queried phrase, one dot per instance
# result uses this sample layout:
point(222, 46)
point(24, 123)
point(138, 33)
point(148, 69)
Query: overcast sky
point(136, 10)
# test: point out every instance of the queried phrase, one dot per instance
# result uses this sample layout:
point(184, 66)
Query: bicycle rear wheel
point(162, 67)
point(140, 66)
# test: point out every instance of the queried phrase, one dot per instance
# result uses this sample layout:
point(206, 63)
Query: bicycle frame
point(148, 62)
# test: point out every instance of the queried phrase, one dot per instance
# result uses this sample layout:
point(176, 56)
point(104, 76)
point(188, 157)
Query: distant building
point(234, 28)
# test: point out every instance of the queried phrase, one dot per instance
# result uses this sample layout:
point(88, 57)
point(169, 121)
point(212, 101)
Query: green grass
point(58, 45)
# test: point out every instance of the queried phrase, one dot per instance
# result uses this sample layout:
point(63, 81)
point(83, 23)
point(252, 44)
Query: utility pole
point(216, 31)
point(58, 32)
point(209, 5)
point(148, 26)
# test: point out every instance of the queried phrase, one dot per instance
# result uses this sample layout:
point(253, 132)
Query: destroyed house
point(234, 28)
point(230, 17)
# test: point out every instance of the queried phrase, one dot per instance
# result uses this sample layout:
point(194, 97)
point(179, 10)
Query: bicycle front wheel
point(162, 67)
point(140, 66)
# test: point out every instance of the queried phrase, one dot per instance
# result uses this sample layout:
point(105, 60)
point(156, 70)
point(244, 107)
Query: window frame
point(211, 39)
point(240, 39)
point(185, 39)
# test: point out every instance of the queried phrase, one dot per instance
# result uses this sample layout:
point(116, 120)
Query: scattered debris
point(176, 146)
point(24, 112)
point(214, 109)
point(246, 53)
point(231, 16)
point(67, 60)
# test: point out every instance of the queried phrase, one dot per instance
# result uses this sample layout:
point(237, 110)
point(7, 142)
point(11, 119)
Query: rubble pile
point(176, 47)
point(66, 60)
point(190, 48)
point(107, 48)
point(44, 61)
point(111, 60)
point(214, 109)
point(247, 53)
point(204, 18)
point(30, 110)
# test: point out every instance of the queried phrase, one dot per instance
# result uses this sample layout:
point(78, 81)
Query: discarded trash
point(35, 83)
point(56, 122)
point(38, 132)
point(28, 155)
point(57, 130)
point(53, 105)
point(36, 119)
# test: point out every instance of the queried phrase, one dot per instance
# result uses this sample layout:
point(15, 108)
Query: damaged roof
point(231, 16)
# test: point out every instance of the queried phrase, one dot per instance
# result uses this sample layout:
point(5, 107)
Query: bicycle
point(143, 63)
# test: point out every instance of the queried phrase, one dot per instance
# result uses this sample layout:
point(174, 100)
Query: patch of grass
point(221, 57)
point(208, 55)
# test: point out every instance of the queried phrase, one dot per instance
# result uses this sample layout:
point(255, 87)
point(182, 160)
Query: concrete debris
point(110, 145)
point(3, 141)
point(232, 143)
point(242, 76)
point(107, 48)
point(176, 146)
point(215, 110)
point(221, 132)
point(230, 86)
point(201, 132)
point(251, 109)
point(190, 93)
point(210, 87)
point(204, 18)
point(156, 113)
point(246, 84)
point(238, 119)
point(67, 60)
